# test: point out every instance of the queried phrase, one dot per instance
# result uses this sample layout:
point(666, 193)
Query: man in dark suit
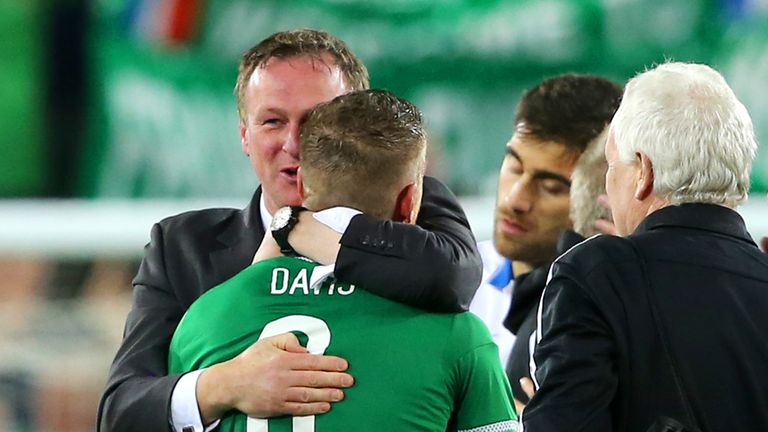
point(434, 265)
point(668, 322)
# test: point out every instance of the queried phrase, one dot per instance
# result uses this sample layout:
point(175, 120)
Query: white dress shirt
point(493, 297)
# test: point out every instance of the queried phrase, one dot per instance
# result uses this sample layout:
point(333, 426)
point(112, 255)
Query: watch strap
point(280, 234)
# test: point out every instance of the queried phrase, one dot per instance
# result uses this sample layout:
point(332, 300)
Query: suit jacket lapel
point(239, 241)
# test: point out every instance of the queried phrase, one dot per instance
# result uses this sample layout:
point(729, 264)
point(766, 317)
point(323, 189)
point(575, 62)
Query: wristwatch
point(283, 222)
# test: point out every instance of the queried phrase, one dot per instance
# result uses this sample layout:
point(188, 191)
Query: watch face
point(280, 218)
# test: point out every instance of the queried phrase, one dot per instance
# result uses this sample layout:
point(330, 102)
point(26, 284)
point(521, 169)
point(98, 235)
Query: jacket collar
point(252, 213)
point(248, 220)
point(707, 217)
point(529, 286)
point(238, 240)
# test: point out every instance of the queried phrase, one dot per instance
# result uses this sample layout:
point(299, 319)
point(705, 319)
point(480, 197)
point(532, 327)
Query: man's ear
point(300, 183)
point(405, 203)
point(243, 137)
point(644, 185)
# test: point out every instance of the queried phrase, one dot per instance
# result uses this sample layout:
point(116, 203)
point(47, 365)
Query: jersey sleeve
point(485, 400)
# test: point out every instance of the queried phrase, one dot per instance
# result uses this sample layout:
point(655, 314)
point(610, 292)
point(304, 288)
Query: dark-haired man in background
point(555, 121)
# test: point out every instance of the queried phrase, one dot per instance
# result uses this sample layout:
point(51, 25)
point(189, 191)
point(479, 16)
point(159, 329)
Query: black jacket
point(601, 365)
point(434, 265)
point(521, 318)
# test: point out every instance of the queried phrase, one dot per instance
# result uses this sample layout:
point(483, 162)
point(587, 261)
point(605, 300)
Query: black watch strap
point(284, 220)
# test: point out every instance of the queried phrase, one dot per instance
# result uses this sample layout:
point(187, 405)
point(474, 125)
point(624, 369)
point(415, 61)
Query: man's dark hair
point(570, 109)
point(301, 42)
point(360, 149)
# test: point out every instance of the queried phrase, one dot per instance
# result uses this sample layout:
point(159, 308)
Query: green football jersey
point(413, 370)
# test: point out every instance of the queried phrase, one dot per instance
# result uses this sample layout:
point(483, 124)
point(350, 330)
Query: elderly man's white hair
point(587, 183)
point(697, 134)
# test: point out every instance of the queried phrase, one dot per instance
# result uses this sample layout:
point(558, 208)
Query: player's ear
point(405, 203)
point(300, 183)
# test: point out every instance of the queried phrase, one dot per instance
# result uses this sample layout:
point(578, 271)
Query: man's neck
point(656, 204)
point(521, 268)
point(643, 210)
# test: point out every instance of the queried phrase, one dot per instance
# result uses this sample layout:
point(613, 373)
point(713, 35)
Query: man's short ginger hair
point(360, 149)
point(296, 43)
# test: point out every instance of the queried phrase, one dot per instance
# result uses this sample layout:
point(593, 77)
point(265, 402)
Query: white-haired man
point(666, 325)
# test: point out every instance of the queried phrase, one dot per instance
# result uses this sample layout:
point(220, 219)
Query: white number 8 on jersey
point(318, 339)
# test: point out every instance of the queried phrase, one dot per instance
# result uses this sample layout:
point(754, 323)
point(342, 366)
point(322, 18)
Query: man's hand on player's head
point(274, 376)
point(605, 226)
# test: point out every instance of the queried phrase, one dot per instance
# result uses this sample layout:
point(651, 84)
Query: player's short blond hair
point(360, 149)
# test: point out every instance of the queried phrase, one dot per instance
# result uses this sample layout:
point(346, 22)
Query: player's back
point(413, 370)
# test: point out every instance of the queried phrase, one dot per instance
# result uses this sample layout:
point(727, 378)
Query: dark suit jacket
point(600, 361)
point(434, 266)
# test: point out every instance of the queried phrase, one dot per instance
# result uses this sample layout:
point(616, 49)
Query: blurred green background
point(112, 100)
point(133, 98)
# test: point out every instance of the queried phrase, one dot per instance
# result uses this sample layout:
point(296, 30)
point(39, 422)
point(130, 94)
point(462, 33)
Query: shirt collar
point(503, 275)
point(266, 216)
point(336, 218)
